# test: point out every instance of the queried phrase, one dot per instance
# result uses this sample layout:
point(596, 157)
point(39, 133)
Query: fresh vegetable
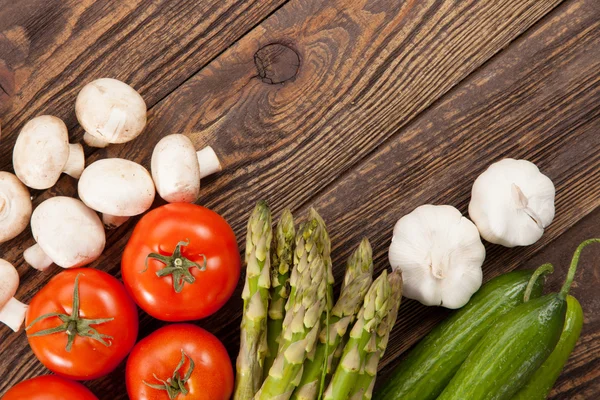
point(81, 239)
point(428, 368)
point(300, 328)
point(180, 361)
point(512, 202)
point(324, 247)
point(15, 206)
point(282, 251)
point(49, 387)
point(359, 274)
point(440, 255)
point(82, 324)
point(177, 168)
point(540, 385)
point(110, 111)
point(117, 188)
point(366, 381)
point(253, 335)
point(42, 152)
point(362, 341)
point(515, 347)
point(12, 311)
point(181, 262)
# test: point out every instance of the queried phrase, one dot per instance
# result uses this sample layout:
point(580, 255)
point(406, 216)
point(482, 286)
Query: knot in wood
point(276, 63)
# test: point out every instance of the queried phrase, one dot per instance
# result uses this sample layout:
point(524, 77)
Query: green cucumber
point(541, 383)
point(432, 363)
point(508, 355)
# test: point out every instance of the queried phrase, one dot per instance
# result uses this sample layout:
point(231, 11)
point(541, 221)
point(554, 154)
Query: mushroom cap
point(41, 151)
point(70, 233)
point(9, 282)
point(175, 169)
point(111, 110)
point(15, 206)
point(116, 187)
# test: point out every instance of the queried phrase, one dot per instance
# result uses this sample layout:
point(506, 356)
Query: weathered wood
point(49, 49)
point(364, 73)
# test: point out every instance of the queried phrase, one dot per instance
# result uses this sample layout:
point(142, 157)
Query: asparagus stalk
point(362, 340)
point(324, 247)
point(281, 263)
point(343, 314)
point(253, 343)
point(366, 381)
point(300, 329)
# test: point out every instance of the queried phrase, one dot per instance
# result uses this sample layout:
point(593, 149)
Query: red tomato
point(101, 332)
point(181, 263)
point(177, 352)
point(49, 387)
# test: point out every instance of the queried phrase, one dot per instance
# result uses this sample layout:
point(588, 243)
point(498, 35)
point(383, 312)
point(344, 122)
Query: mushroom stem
point(93, 141)
point(76, 161)
point(208, 161)
point(113, 221)
point(36, 257)
point(13, 314)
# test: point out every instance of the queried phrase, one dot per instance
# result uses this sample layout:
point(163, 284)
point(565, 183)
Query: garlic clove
point(512, 203)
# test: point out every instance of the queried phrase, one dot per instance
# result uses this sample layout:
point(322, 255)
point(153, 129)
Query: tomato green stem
point(175, 385)
point(73, 325)
point(178, 266)
point(541, 270)
point(573, 268)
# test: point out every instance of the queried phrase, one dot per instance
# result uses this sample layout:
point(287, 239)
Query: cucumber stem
point(541, 270)
point(573, 268)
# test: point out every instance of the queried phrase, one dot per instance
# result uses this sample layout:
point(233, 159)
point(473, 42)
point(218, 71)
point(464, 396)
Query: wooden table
point(363, 109)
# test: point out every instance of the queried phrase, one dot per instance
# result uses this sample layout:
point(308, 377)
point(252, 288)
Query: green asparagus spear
point(366, 380)
point(343, 314)
point(362, 340)
point(324, 247)
point(281, 263)
point(300, 329)
point(253, 343)
point(305, 251)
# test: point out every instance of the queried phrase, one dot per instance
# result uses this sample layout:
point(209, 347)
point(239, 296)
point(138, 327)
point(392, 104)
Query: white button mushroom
point(117, 188)
point(110, 111)
point(512, 202)
point(15, 206)
point(12, 311)
point(42, 152)
point(440, 255)
point(67, 233)
point(177, 168)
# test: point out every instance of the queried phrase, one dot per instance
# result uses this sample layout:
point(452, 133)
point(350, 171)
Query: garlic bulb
point(440, 255)
point(512, 202)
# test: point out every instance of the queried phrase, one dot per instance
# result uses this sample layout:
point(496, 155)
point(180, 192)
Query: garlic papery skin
point(512, 203)
point(440, 255)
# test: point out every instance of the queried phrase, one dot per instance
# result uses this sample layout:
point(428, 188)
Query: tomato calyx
point(73, 324)
point(175, 385)
point(178, 266)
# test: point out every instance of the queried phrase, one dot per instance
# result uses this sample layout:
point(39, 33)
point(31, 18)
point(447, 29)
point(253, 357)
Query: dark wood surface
point(363, 109)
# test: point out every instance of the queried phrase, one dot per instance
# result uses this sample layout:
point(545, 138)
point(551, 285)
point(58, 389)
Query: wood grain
point(49, 49)
point(367, 69)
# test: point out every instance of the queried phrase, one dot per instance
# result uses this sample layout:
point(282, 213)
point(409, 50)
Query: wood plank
point(264, 160)
point(398, 56)
point(49, 49)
